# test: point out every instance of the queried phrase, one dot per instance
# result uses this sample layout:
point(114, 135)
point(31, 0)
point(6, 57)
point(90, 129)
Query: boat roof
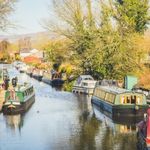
point(114, 89)
point(86, 76)
point(24, 86)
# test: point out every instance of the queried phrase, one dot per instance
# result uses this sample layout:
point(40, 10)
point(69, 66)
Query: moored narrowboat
point(57, 82)
point(37, 74)
point(18, 100)
point(46, 77)
point(119, 102)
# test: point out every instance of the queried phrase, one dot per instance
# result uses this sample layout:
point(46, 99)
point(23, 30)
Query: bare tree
point(6, 8)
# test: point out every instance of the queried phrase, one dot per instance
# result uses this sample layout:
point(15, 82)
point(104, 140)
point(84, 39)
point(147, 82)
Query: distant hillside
point(33, 36)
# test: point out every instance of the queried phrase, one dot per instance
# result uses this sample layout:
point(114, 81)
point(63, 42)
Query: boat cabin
point(85, 81)
point(84, 84)
point(20, 93)
point(119, 96)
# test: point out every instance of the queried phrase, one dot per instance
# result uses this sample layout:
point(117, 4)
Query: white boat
point(23, 68)
point(84, 84)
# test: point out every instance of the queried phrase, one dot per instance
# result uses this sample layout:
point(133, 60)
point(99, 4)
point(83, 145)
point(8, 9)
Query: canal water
point(61, 120)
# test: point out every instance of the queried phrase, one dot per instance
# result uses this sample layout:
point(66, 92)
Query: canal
point(61, 120)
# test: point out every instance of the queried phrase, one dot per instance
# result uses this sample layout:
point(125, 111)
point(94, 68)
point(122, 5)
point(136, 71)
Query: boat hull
point(17, 109)
point(120, 110)
point(84, 90)
point(57, 82)
point(22, 71)
point(30, 74)
point(37, 77)
point(47, 81)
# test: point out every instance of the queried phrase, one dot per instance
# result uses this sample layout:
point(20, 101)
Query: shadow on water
point(88, 126)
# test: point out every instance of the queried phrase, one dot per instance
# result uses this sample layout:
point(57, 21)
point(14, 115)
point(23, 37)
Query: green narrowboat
point(19, 99)
point(119, 102)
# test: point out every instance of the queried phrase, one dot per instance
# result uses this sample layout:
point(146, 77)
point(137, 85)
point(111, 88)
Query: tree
point(56, 51)
point(132, 15)
point(4, 45)
point(6, 8)
point(104, 46)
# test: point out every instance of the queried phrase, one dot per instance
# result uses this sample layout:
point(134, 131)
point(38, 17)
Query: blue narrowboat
point(119, 102)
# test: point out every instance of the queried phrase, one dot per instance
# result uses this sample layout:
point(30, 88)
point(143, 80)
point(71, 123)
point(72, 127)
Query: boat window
point(84, 84)
point(28, 91)
point(25, 93)
point(139, 100)
point(31, 90)
point(128, 99)
point(133, 99)
point(88, 79)
point(102, 94)
point(123, 101)
point(96, 91)
point(99, 93)
point(110, 97)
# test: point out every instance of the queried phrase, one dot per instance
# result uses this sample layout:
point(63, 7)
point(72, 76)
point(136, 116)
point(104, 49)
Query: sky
point(28, 16)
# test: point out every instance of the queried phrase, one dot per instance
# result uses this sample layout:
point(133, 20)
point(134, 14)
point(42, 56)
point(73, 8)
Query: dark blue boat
point(57, 82)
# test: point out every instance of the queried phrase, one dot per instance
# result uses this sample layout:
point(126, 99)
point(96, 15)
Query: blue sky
point(28, 16)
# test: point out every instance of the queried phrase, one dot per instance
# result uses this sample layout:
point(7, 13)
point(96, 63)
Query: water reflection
point(14, 121)
point(89, 126)
point(116, 136)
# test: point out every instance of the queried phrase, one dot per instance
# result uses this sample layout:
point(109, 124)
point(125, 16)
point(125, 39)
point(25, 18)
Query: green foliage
point(55, 51)
point(104, 47)
point(132, 15)
point(68, 86)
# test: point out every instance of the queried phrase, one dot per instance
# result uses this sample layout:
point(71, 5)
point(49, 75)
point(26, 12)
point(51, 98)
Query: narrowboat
point(46, 77)
point(143, 134)
point(23, 68)
point(37, 74)
point(119, 102)
point(84, 84)
point(56, 79)
point(144, 91)
point(19, 99)
point(57, 82)
point(29, 71)
point(3, 74)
